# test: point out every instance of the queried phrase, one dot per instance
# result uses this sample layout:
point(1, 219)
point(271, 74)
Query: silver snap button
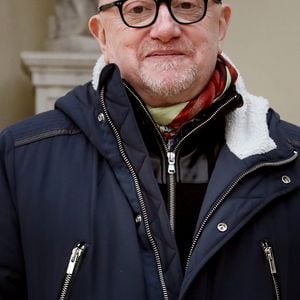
point(101, 117)
point(138, 219)
point(222, 227)
point(286, 179)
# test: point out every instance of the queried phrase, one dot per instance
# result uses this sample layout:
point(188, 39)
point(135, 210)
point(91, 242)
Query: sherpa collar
point(246, 129)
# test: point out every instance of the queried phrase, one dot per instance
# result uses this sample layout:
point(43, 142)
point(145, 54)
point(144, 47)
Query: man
point(162, 179)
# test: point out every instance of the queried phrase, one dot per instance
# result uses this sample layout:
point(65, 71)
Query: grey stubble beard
point(181, 81)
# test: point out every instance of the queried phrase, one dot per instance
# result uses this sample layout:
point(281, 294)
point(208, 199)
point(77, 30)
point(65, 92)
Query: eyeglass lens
point(139, 13)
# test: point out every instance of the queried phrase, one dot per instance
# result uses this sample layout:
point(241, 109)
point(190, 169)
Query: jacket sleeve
point(12, 273)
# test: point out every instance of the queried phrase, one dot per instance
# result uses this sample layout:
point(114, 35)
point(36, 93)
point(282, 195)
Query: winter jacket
point(82, 215)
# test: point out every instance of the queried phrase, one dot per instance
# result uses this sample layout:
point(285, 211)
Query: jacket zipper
point(172, 188)
point(171, 154)
point(267, 249)
point(73, 265)
point(218, 203)
point(139, 195)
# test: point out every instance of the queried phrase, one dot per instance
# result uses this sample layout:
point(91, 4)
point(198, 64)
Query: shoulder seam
point(44, 135)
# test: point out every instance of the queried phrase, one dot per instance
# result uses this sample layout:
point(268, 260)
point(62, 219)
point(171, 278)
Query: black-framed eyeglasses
point(143, 13)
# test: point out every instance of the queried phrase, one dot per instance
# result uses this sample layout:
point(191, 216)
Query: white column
point(55, 73)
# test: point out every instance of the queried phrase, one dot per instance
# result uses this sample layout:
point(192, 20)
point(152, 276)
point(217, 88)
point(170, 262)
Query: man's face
point(167, 62)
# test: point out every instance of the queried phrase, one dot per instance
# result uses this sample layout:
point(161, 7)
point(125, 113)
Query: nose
point(165, 28)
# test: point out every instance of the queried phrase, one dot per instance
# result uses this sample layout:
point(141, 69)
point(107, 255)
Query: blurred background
point(263, 41)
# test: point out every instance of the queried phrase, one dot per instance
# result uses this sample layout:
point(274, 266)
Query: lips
point(161, 53)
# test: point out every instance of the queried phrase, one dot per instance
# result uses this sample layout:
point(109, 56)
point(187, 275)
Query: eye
point(188, 5)
point(185, 5)
point(138, 7)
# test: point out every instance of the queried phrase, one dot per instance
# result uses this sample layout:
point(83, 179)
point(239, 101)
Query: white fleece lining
point(246, 131)
point(100, 64)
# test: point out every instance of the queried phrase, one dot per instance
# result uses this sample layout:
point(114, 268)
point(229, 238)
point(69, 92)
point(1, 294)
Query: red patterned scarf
point(213, 90)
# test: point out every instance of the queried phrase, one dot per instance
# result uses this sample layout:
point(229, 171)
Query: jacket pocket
point(270, 259)
point(73, 266)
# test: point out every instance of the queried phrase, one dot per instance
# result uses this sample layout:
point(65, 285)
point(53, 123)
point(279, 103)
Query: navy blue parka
point(82, 216)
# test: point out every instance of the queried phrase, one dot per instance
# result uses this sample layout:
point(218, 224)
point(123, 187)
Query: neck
point(169, 97)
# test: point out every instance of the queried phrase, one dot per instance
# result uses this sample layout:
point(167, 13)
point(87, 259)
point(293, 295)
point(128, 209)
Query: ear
point(98, 32)
point(223, 24)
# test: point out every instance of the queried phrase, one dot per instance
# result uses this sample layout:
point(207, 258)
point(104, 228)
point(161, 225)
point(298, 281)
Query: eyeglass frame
point(119, 5)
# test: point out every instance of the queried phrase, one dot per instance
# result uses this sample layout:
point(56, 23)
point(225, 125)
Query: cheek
point(121, 47)
point(206, 46)
point(210, 29)
point(206, 43)
point(111, 54)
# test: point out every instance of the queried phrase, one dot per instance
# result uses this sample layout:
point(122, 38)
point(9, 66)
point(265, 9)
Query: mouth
point(164, 53)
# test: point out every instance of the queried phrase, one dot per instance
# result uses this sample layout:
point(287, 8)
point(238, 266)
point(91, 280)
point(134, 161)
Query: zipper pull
point(73, 265)
point(75, 257)
point(269, 256)
point(171, 162)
